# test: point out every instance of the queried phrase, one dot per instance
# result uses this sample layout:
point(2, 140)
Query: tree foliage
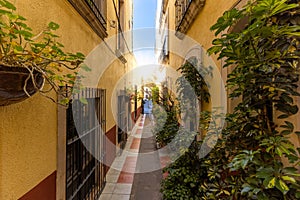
point(247, 161)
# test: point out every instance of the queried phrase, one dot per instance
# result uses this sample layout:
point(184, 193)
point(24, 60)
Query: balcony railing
point(181, 9)
point(186, 11)
point(98, 8)
point(94, 13)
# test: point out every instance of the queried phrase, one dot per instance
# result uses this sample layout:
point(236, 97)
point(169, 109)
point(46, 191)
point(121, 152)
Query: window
point(81, 147)
point(86, 146)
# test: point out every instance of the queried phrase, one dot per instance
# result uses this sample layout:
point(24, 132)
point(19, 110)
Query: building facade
point(37, 159)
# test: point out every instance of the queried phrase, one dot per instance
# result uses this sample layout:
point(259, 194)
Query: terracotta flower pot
point(12, 80)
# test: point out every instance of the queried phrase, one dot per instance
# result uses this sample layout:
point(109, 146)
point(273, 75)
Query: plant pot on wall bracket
point(13, 81)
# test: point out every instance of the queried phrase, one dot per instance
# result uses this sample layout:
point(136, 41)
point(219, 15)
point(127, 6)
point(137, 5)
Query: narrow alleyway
point(131, 176)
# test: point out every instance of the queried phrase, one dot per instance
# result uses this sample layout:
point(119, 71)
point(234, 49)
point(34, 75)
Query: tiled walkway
point(146, 183)
point(128, 177)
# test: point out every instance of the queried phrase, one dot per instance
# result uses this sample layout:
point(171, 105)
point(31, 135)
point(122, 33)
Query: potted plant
point(27, 61)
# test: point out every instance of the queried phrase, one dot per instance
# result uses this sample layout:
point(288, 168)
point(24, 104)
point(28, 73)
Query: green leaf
point(85, 68)
point(229, 17)
point(21, 18)
point(7, 5)
point(53, 26)
point(3, 12)
point(18, 48)
point(288, 178)
point(290, 170)
point(283, 116)
point(278, 151)
point(83, 100)
point(214, 50)
point(285, 150)
point(294, 109)
point(226, 192)
point(256, 190)
point(285, 132)
point(24, 33)
point(80, 55)
point(70, 75)
point(290, 125)
point(262, 196)
point(264, 172)
point(271, 183)
point(64, 101)
point(23, 25)
point(282, 7)
point(48, 33)
point(280, 185)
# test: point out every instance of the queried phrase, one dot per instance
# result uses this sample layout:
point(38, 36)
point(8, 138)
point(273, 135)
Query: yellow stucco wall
point(200, 28)
point(198, 34)
point(27, 145)
point(28, 130)
point(114, 68)
point(117, 69)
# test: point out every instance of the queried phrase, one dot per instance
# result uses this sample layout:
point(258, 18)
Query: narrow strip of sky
point(144, 16)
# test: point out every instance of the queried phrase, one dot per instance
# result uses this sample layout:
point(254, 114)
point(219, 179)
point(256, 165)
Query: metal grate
point(85, 173)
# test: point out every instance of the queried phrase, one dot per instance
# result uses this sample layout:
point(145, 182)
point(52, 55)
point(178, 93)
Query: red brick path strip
point(135, 143)
point(125, 177)
point(165, 175)
point(165, 161)
point(127, 173)
point(139, 131)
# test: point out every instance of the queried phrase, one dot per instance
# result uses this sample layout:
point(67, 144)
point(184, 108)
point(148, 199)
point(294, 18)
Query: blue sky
point(144, 13)
point(144, 16)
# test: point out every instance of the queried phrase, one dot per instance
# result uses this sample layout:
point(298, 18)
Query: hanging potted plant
point(27, 61)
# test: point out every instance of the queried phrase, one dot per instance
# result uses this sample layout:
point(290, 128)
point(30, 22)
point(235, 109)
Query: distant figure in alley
point(148, 105)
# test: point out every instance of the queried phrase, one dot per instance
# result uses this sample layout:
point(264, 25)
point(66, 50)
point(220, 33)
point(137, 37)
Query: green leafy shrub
point(247, 161)
point(265, 55)
point(183, 180)
point(166, 120)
